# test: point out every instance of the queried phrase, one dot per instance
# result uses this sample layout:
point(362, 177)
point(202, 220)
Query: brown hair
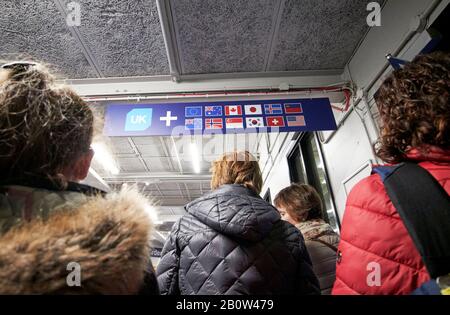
point(237, 168)
point(414, 105)
point(44, 127)
point(300, 200)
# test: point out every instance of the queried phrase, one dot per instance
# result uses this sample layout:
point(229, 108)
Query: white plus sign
point(275, 121)
point(168, 118)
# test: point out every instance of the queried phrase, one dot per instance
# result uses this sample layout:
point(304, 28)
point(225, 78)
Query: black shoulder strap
point(424, 207)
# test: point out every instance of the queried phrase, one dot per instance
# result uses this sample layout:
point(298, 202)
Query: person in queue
point(300, 205)
point(414, 106)
point(231, 241)
point(58, 236)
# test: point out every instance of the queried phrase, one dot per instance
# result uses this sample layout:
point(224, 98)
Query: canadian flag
point(233, 110)
point(276, 121)
point(253, 110)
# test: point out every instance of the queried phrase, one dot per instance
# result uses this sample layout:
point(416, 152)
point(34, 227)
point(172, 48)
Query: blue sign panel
point(219, 117)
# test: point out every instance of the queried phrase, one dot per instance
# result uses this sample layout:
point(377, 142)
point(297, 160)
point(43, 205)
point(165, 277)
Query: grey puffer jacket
point(233, 242)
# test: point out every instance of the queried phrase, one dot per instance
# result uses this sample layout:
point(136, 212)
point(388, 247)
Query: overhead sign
point(219, 117)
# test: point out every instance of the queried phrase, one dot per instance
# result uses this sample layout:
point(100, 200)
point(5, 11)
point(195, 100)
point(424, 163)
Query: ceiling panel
point(125, 37)
point(130, 165)
point(318, 35)
point(121, 145)
point(222, 36)
point(35, 29)
point(159, 164)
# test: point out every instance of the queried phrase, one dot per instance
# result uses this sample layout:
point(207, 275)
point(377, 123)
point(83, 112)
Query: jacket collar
point(48, 184)
point(429, 153)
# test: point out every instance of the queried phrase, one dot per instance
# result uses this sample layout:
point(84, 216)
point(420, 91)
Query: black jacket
point(233, 242)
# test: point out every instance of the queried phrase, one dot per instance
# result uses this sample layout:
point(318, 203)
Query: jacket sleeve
point(167, 270)
point(307, 283)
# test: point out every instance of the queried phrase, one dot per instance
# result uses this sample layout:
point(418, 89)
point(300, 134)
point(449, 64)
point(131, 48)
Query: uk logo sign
point(139, 119)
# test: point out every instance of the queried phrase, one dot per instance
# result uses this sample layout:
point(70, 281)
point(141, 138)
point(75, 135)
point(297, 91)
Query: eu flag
point(193, 111)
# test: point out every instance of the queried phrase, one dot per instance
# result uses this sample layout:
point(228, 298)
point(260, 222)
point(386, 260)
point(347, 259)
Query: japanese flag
point(233, 110)
point(253, 110)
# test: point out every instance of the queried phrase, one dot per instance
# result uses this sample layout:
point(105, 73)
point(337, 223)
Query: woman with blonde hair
point(58, 236)
point(231, 241)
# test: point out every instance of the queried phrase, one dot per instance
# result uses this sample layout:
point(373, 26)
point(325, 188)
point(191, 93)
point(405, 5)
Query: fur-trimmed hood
point(108, 237)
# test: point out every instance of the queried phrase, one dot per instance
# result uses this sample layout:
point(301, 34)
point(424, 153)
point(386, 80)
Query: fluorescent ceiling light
point(104, 158)
point(195, 157)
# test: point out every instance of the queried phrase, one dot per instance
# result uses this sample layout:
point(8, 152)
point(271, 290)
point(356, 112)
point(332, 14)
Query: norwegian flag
point(293, 108)
point(233, 110)
point(276, 121)
point(214, 123)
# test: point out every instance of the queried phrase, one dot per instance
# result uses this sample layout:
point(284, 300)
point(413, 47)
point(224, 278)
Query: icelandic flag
point(193, 124)
point(235, 123)
point(276, 121)
point(293, 108)
point(253, 110)
point(213, 111)
point(254, 122)
point(213, 123)
point(233, 110)
point(273, 109)
point(193, 111)
point(295, 121)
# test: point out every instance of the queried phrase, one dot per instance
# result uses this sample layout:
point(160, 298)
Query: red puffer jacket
point(372, 231)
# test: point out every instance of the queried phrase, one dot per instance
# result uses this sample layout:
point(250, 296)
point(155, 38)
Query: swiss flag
point(276, 121)
point(233, 110)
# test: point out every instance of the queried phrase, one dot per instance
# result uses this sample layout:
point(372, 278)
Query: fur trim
point(108, 237)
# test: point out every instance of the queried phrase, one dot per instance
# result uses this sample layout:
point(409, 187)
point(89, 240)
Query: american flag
point(295, 121)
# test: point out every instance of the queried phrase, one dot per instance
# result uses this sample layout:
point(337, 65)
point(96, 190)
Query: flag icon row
point(250, 122)
point(239, 110)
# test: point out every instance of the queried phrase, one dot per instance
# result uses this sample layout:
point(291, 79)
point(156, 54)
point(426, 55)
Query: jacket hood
point(235, 211)
point(108, 237)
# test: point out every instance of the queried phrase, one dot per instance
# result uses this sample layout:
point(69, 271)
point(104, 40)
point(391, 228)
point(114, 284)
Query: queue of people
point(230, 241)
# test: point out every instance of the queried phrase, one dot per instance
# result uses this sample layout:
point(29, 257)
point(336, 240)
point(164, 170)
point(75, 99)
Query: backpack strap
point(424, 207)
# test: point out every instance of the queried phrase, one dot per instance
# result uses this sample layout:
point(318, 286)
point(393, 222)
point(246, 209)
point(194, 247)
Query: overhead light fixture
point(103, 156)
point(195, 157)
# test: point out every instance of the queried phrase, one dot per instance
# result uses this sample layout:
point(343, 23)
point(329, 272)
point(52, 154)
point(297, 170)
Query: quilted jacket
point(373, 232)
point(233, 242)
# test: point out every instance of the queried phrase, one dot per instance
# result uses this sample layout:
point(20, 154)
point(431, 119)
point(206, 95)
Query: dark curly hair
point(414, 105)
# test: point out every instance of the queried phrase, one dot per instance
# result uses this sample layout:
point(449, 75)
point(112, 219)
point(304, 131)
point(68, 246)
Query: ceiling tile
point(318, 35)
point(36, 30)
point(125, 37)
point(222, 36)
